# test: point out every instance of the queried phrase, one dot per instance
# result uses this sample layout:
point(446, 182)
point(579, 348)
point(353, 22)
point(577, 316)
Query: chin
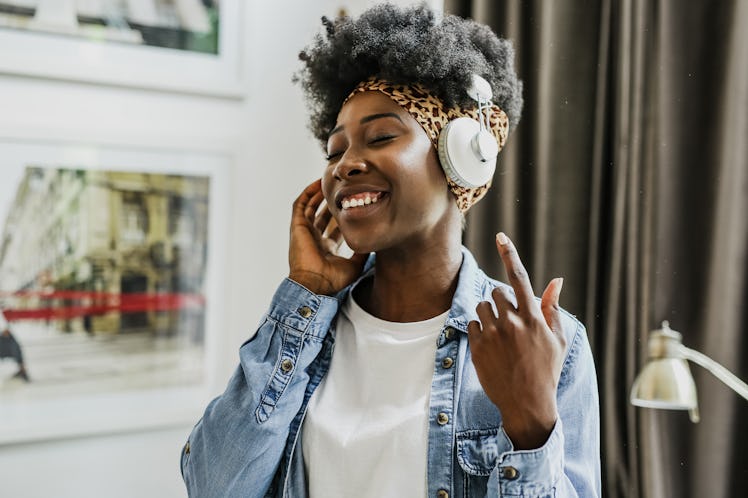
point(361, 246)
point(361, 239)
point(366, 241)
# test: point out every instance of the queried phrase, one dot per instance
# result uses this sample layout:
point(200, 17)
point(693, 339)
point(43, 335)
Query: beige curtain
point(628, 175)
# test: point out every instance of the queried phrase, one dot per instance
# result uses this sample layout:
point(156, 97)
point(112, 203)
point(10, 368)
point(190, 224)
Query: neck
point(413, 284)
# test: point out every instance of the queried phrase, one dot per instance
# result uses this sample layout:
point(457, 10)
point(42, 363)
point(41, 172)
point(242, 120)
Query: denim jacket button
point(442, 418)
point(286, 365)
point(510, 473)
point(442, 493)
point(449, 333)
point(305, 311)
point(447, 362)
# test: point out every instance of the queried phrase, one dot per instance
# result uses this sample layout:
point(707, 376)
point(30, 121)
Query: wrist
point(529, 433)
point(313, 282)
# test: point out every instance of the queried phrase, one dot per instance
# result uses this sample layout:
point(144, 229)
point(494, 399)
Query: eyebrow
point(367, 119)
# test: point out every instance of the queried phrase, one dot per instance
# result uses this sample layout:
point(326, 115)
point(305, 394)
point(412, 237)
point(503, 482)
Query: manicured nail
point(560, 285)
point(501, 238)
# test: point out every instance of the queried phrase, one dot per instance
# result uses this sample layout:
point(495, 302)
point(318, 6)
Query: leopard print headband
point(430, 113)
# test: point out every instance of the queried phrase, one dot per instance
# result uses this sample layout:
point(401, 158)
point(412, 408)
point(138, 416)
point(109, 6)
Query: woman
point(429, 392)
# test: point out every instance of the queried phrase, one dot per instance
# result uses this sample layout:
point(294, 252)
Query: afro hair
point(405, 46)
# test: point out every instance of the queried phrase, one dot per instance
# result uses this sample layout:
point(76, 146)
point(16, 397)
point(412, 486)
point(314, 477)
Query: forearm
point(568, 463)
point(239, 442)
point(542, 472)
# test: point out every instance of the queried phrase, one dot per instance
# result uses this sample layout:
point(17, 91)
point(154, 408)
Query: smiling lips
point(360, 199)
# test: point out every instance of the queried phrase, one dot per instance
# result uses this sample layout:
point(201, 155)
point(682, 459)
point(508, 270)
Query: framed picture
point(190, 46)
point(111, 270)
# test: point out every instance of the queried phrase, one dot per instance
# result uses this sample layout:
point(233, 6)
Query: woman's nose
point(348, 167)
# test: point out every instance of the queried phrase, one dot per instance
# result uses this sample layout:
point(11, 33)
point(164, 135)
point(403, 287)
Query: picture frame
point(63, 57)
point(170, 377)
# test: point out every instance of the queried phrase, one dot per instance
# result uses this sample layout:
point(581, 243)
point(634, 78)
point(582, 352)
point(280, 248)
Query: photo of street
point(188, 25)
point(101, 281)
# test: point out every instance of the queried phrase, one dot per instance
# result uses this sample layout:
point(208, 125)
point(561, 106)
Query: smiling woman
point(378, 147)
point(403, 370)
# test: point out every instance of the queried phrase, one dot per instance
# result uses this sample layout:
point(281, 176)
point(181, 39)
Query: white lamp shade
point(665, 383)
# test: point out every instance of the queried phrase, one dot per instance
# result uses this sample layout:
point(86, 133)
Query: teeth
point(361, 201)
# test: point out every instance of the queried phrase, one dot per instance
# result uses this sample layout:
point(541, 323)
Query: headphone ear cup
point(459, 160)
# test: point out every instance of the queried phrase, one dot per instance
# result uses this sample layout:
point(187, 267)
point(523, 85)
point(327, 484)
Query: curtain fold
point(628, 175)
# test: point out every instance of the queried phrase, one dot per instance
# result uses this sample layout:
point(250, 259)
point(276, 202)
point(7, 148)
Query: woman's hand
point(314, 240)
point(518, 355)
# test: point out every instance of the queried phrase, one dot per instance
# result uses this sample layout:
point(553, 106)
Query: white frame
point(46, 55)
point(82, 415)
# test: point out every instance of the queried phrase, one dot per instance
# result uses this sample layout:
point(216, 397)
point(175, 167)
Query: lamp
point(665, 381)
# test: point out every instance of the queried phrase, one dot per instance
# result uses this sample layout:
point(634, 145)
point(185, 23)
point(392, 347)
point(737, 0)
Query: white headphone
point(467, 148)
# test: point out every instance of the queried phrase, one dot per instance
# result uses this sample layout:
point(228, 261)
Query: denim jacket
point(248, 442)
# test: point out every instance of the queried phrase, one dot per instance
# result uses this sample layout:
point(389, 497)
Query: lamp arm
point(723, 374)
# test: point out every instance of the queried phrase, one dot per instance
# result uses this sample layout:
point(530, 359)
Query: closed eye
point(376, 140)
point(382, 138)
point(333, 155)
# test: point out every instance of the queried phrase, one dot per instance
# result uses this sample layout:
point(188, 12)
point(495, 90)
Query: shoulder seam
point(573, 346)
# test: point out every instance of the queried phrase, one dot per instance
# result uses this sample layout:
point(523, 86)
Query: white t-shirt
point(366, 429)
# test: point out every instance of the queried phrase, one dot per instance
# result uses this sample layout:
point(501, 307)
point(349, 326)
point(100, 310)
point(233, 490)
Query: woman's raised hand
point(518, 355)
point(315, 238)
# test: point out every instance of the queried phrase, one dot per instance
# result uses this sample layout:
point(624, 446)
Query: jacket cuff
point(530, 473)
point(299, 308)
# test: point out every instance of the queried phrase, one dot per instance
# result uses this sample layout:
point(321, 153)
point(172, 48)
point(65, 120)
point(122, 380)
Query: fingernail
point(501, 238)
point(560, 283)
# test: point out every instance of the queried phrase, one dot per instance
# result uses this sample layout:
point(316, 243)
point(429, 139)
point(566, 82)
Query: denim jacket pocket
point(478, 451)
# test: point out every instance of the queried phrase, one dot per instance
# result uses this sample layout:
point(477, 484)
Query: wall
point(274, 158)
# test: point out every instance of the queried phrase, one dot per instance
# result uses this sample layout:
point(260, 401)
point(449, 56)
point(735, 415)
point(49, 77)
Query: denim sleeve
point(235, 448)
point(568, 464)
